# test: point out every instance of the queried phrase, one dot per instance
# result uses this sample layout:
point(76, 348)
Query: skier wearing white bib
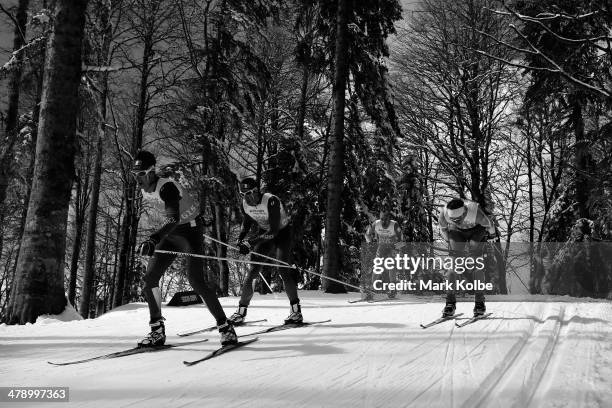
point(465, 226)
point(181, 232)
point(273, 237)
point(388, 234)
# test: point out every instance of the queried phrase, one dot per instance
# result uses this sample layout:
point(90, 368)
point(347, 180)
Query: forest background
point(337, 107)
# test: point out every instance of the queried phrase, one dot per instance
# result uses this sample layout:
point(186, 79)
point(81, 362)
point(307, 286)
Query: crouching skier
point(181, 232)
point(273, 237)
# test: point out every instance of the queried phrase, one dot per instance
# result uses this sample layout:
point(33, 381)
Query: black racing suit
point(179, 237)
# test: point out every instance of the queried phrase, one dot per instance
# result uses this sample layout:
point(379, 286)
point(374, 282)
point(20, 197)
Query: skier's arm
point(171, 196)
point(247, 224)
point(369, 233)
point(443, 226)
point(398, 235)
point(485, 221)
point(274, 214)
point(398, 232)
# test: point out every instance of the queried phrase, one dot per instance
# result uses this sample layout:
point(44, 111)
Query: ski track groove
point(466, 355)
point(544, 361)
point(474, 348)
point(448, 365)
point(447, 340)
point(488, 385)
point(554, 363)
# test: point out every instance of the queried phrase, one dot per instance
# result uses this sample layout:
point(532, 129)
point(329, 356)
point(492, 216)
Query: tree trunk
point(124, 246)
point(335, 183)
point(222, 249)
point(39, 284)
point(12, 114)
point(79, 220)
point(581, 160)
point(92, 216)
point(303, 99)
point(90, 247)
point(114, 279)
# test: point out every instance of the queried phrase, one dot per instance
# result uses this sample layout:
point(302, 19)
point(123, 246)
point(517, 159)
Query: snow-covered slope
point(533, 352)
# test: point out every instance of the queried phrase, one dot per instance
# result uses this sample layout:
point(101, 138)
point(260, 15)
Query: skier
point(273, 237)
point(388, 234)
point(465, 226)
point(182, 232)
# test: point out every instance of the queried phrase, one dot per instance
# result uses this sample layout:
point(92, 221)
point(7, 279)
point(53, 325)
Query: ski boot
point(296, 315)
point(157, 337)
point(228, 334)
point(237, 318)
point(449, 309)
point(479, 308)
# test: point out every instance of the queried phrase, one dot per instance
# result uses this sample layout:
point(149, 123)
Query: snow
point(535, 351)
point(67, 315)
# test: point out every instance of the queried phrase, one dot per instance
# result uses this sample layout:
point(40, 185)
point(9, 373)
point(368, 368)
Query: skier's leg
point(155, 269)
point(477, 243)
point(380, 253)
point(192, 241)
point(196, 274)
point(458, 246)
point(282, 244)
point(247, 286)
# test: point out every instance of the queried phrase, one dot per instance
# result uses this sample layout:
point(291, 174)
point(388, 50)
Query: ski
point(441, 320)
point(219, 351)
point(473, 319)
point(211, 328)
point(128, 352)
point(373, 300)
point(284, 327)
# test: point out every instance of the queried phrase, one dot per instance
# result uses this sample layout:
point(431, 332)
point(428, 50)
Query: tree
point(335, 178)
point(38, 287)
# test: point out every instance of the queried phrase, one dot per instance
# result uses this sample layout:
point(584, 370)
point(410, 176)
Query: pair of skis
point(214, 353)
point(229, 347)
point(453, 317)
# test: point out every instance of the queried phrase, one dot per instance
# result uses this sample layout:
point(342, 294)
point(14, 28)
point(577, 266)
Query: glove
point(147, 248)
point(244, 247)
point(492, 237)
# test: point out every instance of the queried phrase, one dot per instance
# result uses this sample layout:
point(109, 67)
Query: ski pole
point(253, 252)
point(281, 263)
point(231, 247)
point(162, 251)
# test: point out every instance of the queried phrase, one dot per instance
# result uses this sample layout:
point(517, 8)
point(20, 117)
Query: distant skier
point(388, 234)
point(182, 232)
point(273, 237)
point(465, 227)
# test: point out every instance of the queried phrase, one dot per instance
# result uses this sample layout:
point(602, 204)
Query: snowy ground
point(538, 352)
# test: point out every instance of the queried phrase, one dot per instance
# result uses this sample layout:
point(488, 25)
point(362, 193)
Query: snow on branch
point(31, 48)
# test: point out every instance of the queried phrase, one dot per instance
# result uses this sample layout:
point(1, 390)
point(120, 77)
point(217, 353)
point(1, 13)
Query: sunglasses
point(245, 193)
point(142, 173)
point(456, 219)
